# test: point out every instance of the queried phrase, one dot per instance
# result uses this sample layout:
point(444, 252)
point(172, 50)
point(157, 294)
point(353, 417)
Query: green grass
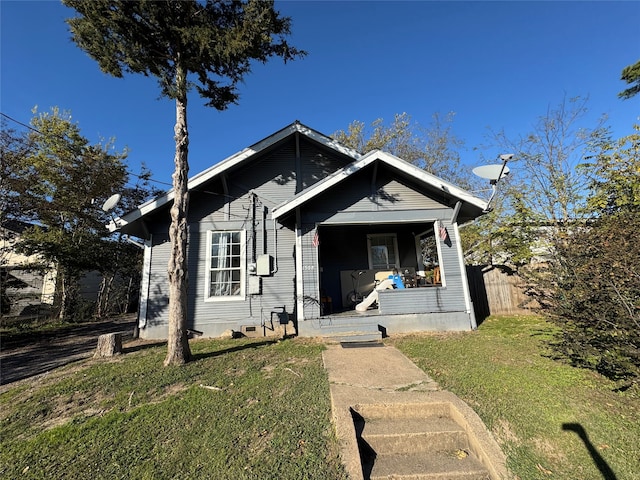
point(13, 329)
point(243, 409)
point(250, 409)
point(505, 373)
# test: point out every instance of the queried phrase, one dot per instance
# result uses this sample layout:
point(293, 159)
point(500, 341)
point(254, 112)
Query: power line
point(72, 150)
point(75, 152)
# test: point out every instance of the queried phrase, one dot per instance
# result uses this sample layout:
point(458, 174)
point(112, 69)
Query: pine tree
point(184, 43)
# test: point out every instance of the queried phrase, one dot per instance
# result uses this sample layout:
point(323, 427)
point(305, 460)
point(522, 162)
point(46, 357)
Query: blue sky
point(497, 65)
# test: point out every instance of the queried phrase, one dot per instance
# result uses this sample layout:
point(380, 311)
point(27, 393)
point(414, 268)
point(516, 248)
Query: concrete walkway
point(375, 374)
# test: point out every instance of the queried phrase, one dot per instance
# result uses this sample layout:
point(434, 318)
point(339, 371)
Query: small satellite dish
point(491, 172)
point(111, 202)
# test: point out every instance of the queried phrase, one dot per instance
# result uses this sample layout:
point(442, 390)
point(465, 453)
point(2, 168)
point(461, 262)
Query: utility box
point(255, 286)
point(264, 265)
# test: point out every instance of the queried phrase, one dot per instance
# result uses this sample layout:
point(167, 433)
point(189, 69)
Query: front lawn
point(259, 409)
point(535, 406)
point(243, 409)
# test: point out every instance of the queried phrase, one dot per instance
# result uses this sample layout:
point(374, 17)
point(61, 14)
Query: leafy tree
point(434, 148)
point(545, 191)
point(546, 158)
point(631, 75)
point(502, 237)
point(614, 175)
point(57, 185)
point(183, 44)
point(13, 148)
point(595, 294)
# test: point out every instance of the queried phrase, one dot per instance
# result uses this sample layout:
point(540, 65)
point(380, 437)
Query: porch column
point(465, 281)
point(145, 282)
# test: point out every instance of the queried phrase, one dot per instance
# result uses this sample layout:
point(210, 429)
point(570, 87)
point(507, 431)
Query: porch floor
point(372, 312)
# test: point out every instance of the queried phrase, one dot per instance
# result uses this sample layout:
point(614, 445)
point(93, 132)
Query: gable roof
point(230, 162)
point(360, 161)
point(419, 175)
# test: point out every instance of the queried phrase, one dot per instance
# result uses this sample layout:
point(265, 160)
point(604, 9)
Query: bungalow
point(300, 230)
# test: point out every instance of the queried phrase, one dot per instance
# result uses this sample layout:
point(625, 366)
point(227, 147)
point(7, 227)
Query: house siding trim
point(145, 283)
point(299, 279)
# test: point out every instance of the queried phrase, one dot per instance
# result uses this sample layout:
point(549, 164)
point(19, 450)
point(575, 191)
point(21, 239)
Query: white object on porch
point(373, 296)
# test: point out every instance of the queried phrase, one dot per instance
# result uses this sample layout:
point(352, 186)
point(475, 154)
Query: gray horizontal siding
point(158, 296)
point(317, 163)
point(393, 195)
point(276, 291)
point(213, 318)
point(421, 300)
point(390, 217)
point(360, 198)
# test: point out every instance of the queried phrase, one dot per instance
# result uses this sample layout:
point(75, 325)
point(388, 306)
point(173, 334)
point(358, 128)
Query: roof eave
point(230, 162)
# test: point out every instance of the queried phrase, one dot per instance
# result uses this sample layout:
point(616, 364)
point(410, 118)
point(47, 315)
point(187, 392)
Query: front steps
point(350, 329)
point(417, 441)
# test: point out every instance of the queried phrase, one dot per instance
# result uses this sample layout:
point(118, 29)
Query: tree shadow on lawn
point(603, 466)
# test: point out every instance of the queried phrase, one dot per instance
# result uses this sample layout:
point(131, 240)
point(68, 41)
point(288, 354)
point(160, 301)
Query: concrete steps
point(350, 330)
point(414, 442)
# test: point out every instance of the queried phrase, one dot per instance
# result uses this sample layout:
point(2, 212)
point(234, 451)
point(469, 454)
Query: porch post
point(145, 282)
point(465, 280)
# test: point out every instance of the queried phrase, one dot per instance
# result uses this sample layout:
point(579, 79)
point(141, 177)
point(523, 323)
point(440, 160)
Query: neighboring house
point(298, 228)
point(26, 282)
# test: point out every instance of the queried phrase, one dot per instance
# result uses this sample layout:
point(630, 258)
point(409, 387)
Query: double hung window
point(226, 265)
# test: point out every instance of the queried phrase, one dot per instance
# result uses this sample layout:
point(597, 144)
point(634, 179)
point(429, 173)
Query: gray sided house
point(300, 230)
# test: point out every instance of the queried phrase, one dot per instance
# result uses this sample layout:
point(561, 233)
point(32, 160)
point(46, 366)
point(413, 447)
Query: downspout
point(264, 230)
point(253, 227)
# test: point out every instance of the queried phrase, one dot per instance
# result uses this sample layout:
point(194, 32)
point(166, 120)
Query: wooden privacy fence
point(497, 290)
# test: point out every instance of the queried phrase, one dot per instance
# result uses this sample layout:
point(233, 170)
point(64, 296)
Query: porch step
point(414, 442)
point(351, 332)
point(427, 466)
point(415, 435)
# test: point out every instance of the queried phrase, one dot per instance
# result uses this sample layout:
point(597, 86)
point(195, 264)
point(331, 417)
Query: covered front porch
point(352, 259)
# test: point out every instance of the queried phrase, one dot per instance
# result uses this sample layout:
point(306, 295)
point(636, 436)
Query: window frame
point(396, 252)
point(208, 297)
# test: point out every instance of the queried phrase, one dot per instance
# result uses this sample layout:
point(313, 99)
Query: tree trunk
point(68, 296)
point(64, 298)
point(178, 351)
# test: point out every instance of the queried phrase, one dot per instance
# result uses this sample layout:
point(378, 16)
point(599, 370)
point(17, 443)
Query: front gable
point(275, 169)
point(381, 182)
point(373, 194)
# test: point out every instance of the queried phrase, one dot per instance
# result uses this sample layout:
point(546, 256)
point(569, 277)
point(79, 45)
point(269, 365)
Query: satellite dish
point(492, 172)
point(111, 202)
